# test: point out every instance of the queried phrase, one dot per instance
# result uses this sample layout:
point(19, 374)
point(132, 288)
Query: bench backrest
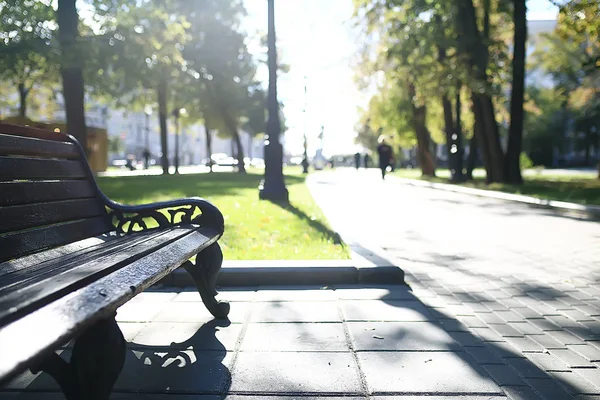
point(48, 196)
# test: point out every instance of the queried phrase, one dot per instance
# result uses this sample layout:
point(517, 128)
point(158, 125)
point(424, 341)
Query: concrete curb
point(588, 212)
point(304, 272)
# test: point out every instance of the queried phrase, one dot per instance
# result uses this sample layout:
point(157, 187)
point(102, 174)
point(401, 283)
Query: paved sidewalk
point(346, 342)
point(519, 286)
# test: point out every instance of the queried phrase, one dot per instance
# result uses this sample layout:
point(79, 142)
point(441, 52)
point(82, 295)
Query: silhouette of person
point(357, 160)
point(367, 160)
point(385, 155)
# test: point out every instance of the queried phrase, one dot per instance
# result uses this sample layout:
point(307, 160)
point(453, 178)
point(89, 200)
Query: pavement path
point(519, 286)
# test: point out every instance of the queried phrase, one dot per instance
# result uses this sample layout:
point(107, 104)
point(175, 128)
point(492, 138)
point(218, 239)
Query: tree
point(515, 135)
point(27, 57)
point(72, 69)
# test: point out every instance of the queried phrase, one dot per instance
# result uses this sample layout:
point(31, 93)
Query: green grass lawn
point(576, 188)
point(254, 230)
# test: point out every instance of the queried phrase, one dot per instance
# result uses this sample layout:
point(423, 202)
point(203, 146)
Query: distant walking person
point(367, 160)
point(357, 160)
point(385, 155)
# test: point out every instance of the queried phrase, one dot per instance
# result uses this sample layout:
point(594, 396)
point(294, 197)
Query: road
point(506, 271)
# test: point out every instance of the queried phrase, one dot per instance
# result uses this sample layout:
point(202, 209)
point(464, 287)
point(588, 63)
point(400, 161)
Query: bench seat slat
point(66, 317)
point(59, 279)
point(16, 193)
point(24, 242)
point(29, 216)
point(25, 146)
point(22, 168)
point(67, 254)
point(28, 131)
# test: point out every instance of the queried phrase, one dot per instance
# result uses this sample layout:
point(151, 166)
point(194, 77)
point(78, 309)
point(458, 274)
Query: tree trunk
point(162, 120)
point(419, 115)
point(208, 143)
point(515, 133)
point(472, 159)
point(474, 45)
point(240, 152)
point(232, 126)
point(71, 70)
point(23, 92)
point(480, 137)
point(449, 130)
point(493, 134)
point(458, 142)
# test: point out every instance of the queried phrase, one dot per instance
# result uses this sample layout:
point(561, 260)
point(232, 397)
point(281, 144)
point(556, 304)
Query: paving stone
point(452, 325)
point(504, 349)
point(213, 335)
point(504, 375)
point(196, 312)
point(526, 328)
point(574, 383)
point(375, 292)
point(526, 312)
point(577, 315)
point(526, 368)
point(521, 393)
point(140, 311)
point(467, 339)
point(524, 344)
point(291, 397)
point(548, 362)
point(471, 321)
point(304, 372)
point(295, 337)
point(506, 330)
point(571, 358)
point(291, 294)
point(113, 396)
point(230, 295)
point(421, 336)
point(509, 316)
point(591, 353)
point(487, 335)
point(375, 310)
point(588, 310)
point(544, 324)
point(564, 337)
point(483, 355)
point(177, 371)
point(583, 333)
point(549, 389)
point(286, 311)
point(477, 306)
point(490, 318)
point(547, 342)
point(404, 372)
point(591, 374)
point(562, 321)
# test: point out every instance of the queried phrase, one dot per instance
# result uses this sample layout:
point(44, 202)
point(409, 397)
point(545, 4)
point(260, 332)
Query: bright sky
point(316, 39)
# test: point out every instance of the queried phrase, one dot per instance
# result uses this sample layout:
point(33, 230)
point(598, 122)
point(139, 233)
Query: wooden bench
point(69, 257)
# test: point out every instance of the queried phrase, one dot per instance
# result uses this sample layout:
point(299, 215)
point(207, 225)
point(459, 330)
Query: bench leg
point(97, 360)
point(205, 272)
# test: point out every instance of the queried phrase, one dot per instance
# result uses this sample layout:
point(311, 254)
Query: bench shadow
point(196, 364)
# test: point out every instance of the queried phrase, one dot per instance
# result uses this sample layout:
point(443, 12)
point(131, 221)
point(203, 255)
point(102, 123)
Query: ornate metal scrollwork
point(130, 219)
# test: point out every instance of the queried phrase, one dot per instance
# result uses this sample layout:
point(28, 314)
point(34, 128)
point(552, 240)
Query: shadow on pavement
point(197, 363)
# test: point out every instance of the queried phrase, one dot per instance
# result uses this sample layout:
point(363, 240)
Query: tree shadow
point(315, 224)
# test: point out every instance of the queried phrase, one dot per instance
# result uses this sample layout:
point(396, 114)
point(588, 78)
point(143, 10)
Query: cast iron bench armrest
point(165, 214)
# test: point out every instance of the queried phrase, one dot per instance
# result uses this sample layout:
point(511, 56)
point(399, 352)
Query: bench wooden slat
point(20, 299)
point(18, 244)
point(21, 168)
point(33, 215)
point(36, 266)
point(66, 317)
point(24, 146)
point(28, 131)
point(15, 193)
